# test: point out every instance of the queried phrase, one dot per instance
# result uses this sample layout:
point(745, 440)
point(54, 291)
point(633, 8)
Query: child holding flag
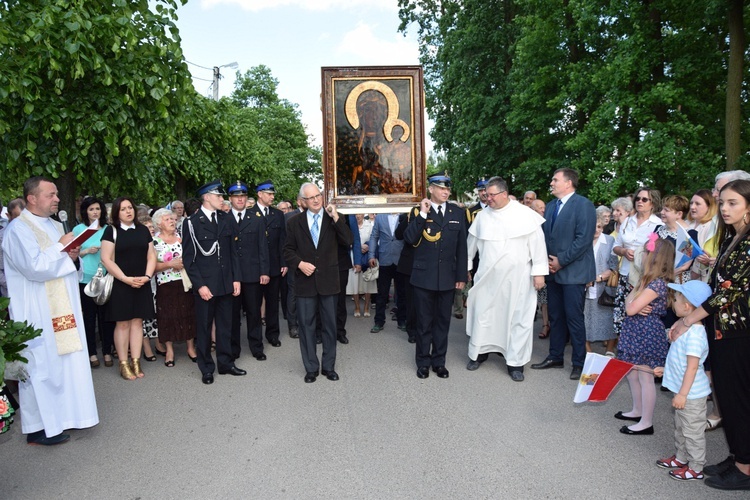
point(642, 341)
point(684, 375)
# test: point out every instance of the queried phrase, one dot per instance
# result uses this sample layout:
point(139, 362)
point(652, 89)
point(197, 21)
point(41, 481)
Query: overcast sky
point(295, 38)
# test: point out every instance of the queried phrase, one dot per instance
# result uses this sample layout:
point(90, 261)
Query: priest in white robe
point(58, 393)
point(512, 266)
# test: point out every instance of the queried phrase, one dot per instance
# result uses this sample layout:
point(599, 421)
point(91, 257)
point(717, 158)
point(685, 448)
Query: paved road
point(379, 432)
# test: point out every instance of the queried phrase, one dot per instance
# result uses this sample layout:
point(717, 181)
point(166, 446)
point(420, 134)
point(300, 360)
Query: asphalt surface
point(379, 432)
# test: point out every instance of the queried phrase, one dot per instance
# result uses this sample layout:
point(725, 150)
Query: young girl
point(642, 341)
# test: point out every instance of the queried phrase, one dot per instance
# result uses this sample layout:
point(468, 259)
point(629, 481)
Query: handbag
point(371, 274)
point(100, 286)
point(606, 299)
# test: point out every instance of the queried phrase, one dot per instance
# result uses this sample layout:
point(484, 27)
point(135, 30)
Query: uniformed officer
point(210, 261)
point(275, 227)
point(438, 235)
point(252, 252)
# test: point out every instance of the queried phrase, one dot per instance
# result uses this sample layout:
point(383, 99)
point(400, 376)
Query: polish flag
point(600, 376)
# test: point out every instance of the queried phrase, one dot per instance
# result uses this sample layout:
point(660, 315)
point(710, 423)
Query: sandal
point(670, 463)
point(685, 474)
point(125, 371)
point(169, 363)
point(545, 331)
point(160, 353)
point(149, 358)
point(713, 423)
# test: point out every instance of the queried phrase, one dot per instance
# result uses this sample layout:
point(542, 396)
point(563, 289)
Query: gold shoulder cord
point(415, 213)
point(469, 217)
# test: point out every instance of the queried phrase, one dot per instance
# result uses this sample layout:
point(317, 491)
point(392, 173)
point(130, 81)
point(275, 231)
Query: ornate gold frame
point(366, 169)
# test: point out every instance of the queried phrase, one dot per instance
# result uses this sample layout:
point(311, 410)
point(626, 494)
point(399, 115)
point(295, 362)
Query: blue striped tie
point(315, 229)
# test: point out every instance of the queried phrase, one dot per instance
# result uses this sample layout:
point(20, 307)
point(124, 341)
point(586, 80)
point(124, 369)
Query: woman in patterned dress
point(174, 305)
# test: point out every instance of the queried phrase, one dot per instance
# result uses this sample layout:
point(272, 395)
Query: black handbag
point(606, 299)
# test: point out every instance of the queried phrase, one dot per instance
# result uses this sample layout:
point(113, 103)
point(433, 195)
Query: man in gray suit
point(568, 231)
point(385, 251)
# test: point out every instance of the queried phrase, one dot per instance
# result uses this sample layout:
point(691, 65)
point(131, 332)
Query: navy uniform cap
point(213, 187)
point(482, 183)
point(238, 188)
point(440, 179)
point(266, 186)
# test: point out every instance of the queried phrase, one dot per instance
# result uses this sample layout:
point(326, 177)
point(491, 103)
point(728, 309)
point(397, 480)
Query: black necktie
point(440, 213)
point(265, 211)
point(213, 217)
point(239, 217)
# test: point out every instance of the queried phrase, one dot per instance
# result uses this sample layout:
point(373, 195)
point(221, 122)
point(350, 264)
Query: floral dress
point(643, 340)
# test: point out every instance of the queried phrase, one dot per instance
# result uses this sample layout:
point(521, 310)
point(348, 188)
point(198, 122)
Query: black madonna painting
point(373, 122)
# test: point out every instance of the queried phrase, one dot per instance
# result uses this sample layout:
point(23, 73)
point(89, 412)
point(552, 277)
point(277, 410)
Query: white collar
point(126, 227)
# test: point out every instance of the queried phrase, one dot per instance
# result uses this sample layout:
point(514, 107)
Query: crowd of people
point(619, 275)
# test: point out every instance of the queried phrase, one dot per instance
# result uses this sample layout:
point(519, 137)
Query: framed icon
point(373, 151)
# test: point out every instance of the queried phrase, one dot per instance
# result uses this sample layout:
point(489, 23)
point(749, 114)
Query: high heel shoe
point(545, 332)
point(149, 358)
point(137, 368)
point(125, 371)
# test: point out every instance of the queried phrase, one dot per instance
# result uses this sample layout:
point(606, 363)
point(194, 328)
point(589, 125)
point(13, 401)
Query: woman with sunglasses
point(633, 233)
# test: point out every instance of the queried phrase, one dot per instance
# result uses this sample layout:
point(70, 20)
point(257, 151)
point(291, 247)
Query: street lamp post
point(217, 75)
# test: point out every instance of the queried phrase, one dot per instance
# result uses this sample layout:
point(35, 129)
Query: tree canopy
point(97, 95)
point(627, 93)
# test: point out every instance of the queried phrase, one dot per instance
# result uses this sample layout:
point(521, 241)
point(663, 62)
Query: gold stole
point(63, 321)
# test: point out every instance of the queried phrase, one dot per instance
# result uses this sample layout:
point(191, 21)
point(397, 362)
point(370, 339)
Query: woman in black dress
point(128, 254)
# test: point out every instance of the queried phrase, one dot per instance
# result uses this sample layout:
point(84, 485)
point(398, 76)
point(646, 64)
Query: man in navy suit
point(384, 252)
point(252, 252)
point(311, 250)
point(212, 265)
point(568, 231)
point(440, 267)
point(275, 228)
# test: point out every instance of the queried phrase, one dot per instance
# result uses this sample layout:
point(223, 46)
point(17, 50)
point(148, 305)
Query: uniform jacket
point(570, 240)
point(217, 271)
point(275, 226)
point(440, 264)
point(299, 247)
point(251, 245)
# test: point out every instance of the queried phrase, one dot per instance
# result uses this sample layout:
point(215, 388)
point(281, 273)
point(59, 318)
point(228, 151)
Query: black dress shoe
point(329, 374)
point(208, 378)
point(310, 377)
point(233, 371)
point(423, 372)
point(620, 416)
point(294, 332)
point(318, 340)
point(275, 343)
point(342, 339)
point(412, 340)
point(441, 371)
point(41, 439)
point(548, 363)
point(260, 356)
point(575, 373)
point(644, 432)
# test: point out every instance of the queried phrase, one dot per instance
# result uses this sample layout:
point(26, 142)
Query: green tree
point(87, 90)
point(272, 142)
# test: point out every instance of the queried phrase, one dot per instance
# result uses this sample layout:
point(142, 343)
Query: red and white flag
point(600, 376)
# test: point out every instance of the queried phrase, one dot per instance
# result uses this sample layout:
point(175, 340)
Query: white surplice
point(59, 393)
point(502, 301)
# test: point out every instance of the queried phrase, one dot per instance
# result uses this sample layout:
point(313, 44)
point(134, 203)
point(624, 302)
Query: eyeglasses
point(644, 200)
point(315, 197)
point(492, 195)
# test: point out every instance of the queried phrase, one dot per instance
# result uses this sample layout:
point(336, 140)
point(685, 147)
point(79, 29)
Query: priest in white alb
point(58, 393)
point(512, 267)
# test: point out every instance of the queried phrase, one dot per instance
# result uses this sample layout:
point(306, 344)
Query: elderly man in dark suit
point(252, 252)
point(311, 250)
point(275, 228)
point(440, 267)
point(210, 261)
point(568, 231)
